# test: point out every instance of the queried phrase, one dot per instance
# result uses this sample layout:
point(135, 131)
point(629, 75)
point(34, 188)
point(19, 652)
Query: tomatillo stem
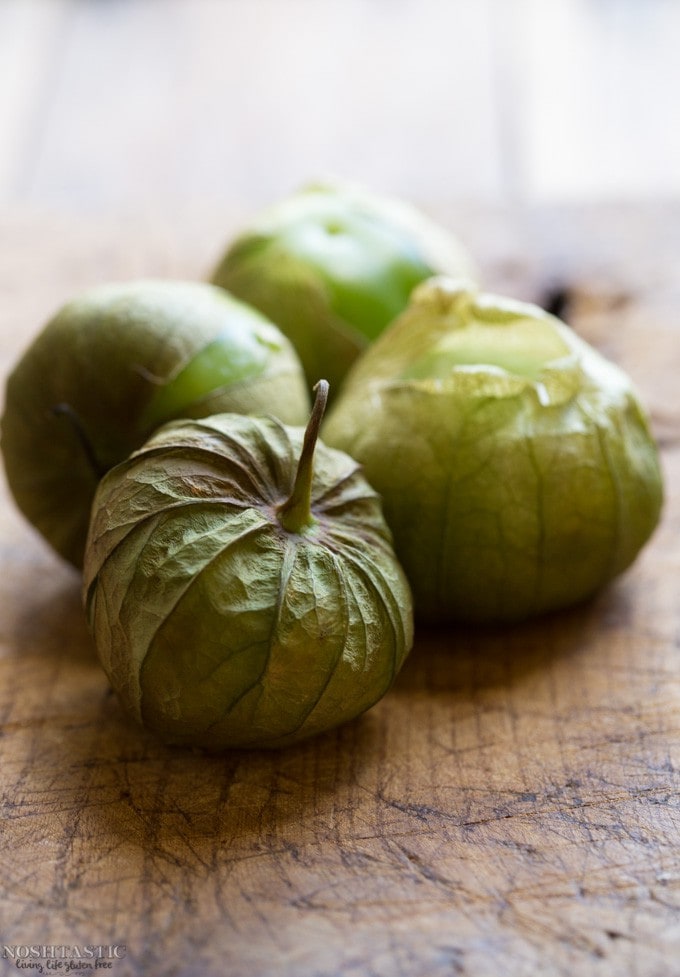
point(295, 514)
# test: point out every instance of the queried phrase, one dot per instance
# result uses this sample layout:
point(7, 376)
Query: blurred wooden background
point(111, 105)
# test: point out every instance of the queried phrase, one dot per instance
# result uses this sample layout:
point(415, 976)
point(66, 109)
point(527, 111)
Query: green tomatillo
point(516, 465)
point(115, 363)
point(332, 265)
point(241, 586)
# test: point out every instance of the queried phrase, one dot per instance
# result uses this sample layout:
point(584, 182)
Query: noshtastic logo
point(53, 958)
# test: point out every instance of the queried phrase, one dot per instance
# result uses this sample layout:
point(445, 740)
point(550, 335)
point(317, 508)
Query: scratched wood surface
point(511, 806)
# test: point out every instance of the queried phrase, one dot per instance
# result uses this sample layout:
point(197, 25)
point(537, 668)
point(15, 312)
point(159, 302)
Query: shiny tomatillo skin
point(115, 363)
point(241, 586)
point(516, 465)
point(332, 265)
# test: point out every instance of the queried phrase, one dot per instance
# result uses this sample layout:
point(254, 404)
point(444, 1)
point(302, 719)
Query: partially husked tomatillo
point(112, 365)
point(516, 465)
point(241, 586)
point(332, 265)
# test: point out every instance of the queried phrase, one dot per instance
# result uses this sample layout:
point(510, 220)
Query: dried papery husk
point(516, 464)
point(218, 626)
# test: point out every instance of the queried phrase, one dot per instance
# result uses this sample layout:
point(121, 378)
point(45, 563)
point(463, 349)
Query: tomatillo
point(113, 364)
point(516, 465)
point(332, 265)
point(241, 585)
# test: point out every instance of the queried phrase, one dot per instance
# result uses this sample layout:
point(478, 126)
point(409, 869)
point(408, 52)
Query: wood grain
point(130, 104)
point(511, 806)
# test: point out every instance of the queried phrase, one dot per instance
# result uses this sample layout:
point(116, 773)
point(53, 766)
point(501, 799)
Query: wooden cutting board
point(511, 807)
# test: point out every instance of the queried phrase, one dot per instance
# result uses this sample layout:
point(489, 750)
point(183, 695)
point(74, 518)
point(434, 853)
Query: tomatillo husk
point(241, 586)
point(110, 367)
point(516, 465)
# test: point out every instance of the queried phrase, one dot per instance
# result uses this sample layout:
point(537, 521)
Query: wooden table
point(512, 806)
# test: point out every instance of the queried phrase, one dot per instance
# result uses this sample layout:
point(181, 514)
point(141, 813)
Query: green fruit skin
point(508, 496)
point(332, 265)
point(126, 358)
point(217, 627)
